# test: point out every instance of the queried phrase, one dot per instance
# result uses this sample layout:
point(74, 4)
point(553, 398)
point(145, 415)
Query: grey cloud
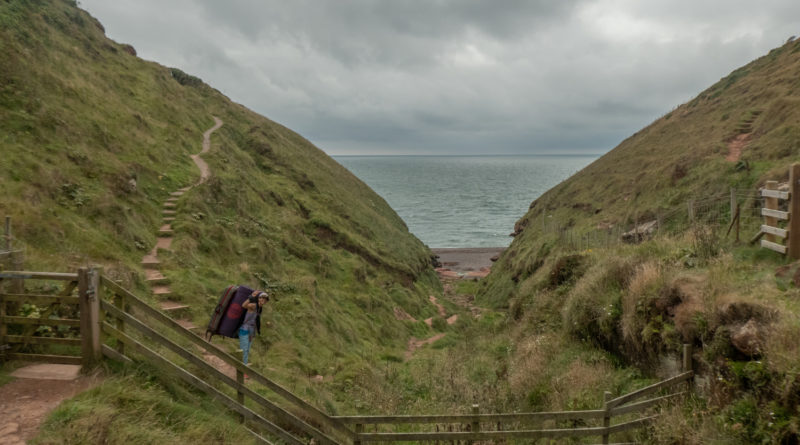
point(459, 76)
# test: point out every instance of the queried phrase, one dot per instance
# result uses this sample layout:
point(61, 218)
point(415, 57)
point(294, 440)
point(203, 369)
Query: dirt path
point(205, 171)
point(465, 301)
point(736, 146)
point(159, 284)
point(26, 402)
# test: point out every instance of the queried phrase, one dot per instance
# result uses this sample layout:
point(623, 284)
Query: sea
point(463, 201)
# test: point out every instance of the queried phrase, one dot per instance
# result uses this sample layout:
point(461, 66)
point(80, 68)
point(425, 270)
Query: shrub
point(185, 79)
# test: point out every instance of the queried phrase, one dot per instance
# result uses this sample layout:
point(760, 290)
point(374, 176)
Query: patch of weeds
point(72, 195)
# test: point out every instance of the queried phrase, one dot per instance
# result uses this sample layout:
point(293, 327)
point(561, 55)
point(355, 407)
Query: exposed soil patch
point(736, 145)
point(414, 344)
point(25, 403)
point(403, 315)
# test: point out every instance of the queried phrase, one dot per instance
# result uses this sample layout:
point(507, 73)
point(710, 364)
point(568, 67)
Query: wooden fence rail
point(27, 326)
point(108, 311)
point(790, 234)
point(126, 320)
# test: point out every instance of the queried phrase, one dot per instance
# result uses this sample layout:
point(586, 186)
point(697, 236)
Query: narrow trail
point(159, 284)
point(745, 131)
point(38, 389)
point(736, 146)
point(464, 301)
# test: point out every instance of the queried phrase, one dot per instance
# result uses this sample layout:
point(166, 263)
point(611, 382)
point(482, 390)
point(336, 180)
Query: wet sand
point(467, 259)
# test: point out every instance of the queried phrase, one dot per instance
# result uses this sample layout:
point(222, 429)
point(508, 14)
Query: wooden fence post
point(606, 415)
point(3, 325)
point(691, 210)
point(771, 204)
point(733, 202)
point(239, 393)
point(359, 430)
point(119, 301)
point(794, 212)
point(476, 424)
point(8, 233)
point(687, 364)
point(89, 304)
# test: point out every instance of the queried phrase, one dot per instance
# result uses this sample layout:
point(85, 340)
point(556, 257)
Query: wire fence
point(717, 212)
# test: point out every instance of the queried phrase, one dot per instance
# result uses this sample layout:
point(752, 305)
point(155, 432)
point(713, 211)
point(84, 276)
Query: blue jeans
point(244, 344)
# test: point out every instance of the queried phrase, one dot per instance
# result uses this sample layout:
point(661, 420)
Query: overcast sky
point(455, 76)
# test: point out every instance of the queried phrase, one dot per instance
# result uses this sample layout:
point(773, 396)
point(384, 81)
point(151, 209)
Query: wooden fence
point(62, 309)
point(116, 324)
point(780, 225)
point(476, 423)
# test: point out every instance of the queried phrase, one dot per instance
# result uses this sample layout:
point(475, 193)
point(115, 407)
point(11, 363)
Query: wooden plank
point(40, 321)
point(111, 353)
point(781, 233)
point(682, 377)
point(482, 436)
point(284, 415)
point(774, 194)
point(205, 387)
point(638, 423)
point(793, 242)
point(315, 412)
point(46, 358)
point(39, 299)
point(771, 204)
point(38, 275)
point(773, 246)
point(640, 406)
point(775, 214)
point(20, 339)
point(469, 418)
point(259, 439)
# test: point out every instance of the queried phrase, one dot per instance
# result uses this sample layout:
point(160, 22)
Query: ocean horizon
point(460, 201)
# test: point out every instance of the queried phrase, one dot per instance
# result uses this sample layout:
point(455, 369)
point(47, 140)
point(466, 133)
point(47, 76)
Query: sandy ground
point(26, 402)
point(467, 259)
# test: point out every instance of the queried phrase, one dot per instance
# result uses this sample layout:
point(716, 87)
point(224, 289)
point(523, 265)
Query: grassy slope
point(80, 117)
point(639, 303)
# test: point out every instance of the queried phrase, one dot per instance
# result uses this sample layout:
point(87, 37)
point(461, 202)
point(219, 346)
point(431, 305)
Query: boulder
point(640, 233)
point(748, 338)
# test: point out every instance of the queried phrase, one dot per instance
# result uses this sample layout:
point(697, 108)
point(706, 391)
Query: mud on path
point(462, 300)
point(26, 402)
point(736, 146)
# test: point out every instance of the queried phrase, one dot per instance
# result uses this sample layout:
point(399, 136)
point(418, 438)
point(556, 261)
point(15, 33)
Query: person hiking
point(252, 321)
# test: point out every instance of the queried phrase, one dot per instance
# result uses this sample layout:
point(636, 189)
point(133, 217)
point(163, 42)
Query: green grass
point(164, 413)
point(81, 118)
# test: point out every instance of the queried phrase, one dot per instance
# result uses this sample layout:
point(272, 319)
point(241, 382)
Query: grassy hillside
point(93, 140)
point(737, 304)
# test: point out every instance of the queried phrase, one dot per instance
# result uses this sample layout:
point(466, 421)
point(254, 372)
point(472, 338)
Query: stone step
point(169, 205)
point(178, 193)
point(187, 324)
point(162, 290)
point(172, 306)
point(168, 219)
point(185, 189)
point(173, 199)
point(168, 212)
point(153, 275)
point(164, 243)
point(150, 261)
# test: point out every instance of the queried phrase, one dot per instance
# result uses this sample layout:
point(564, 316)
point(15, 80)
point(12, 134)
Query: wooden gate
point(780, 225)
point(50, 323)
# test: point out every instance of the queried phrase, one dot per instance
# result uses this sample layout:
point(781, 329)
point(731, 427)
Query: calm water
point(462, 201)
